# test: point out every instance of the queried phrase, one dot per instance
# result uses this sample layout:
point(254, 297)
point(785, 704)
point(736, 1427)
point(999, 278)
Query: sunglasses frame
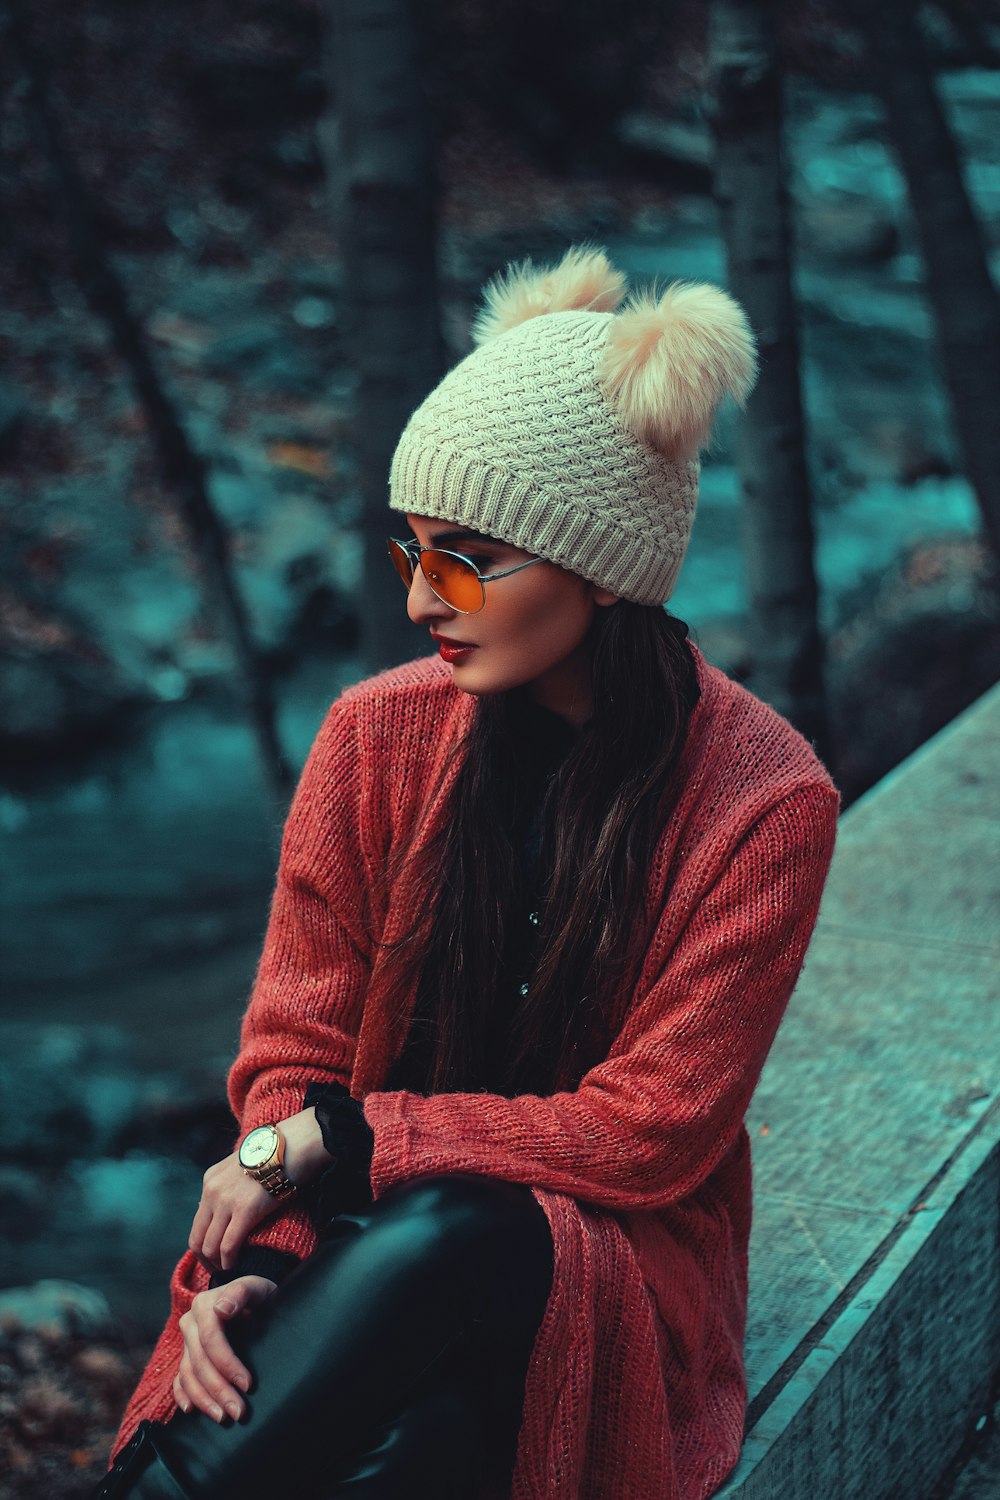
point(409, 548)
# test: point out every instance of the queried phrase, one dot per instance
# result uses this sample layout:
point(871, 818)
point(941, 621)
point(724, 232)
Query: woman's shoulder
point(744, 745)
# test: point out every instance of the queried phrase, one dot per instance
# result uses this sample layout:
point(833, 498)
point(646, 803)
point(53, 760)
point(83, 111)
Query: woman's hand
point(209, 1372)
point(232, 1204)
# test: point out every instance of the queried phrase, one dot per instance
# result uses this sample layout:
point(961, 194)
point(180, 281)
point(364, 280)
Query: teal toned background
point(140, 832)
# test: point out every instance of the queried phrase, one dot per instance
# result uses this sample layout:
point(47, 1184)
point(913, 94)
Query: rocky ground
point(66, 1370)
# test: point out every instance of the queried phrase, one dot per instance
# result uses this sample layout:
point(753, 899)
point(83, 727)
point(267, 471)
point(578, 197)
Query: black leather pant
point(392, 1361)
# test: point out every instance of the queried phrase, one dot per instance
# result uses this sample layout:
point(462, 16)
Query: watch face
point(258, 1146)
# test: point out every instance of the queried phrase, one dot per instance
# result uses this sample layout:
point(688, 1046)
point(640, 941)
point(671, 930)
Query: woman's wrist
point(305, 1153)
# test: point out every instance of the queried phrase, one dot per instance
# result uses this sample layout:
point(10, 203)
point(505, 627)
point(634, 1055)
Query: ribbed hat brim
point(443, 483)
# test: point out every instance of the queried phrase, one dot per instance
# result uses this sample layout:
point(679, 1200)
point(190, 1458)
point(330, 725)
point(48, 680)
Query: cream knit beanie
point(573, 430)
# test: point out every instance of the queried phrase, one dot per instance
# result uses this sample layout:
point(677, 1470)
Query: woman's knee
point(481, 1231)
point(464, 1209)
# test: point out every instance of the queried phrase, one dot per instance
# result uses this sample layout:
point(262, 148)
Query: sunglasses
point(455, 579)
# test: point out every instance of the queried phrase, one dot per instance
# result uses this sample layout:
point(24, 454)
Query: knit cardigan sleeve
point(304, 1011)
point(647, 1125)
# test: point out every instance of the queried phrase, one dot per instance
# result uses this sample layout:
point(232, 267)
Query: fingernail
point(216, 1413)
point(241, 1382)
point(233, 1408)
point(224, 1307)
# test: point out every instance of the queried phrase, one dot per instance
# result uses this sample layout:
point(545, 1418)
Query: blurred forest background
point(240, 244)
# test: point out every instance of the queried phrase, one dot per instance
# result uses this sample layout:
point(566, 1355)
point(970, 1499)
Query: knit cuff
point(345, 1187)
point(258, 1260)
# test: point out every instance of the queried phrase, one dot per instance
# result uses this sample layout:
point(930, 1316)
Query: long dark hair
point(602, 814)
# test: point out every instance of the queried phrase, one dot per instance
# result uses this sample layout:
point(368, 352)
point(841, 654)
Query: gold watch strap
point(276, 1180)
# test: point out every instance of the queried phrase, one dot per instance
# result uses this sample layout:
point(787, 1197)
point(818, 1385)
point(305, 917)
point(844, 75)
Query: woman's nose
point(422, 605)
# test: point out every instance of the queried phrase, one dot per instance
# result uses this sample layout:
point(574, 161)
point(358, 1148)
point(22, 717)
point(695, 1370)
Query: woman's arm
point(332, 1125)
point(647, 1125)
point(302, 1019)
point(304, 1011)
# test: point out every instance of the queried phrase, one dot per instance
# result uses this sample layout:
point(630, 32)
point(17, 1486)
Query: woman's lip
point(442, 640)
point(453, 654)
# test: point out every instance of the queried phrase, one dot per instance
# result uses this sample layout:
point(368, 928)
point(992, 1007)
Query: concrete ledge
point(874, 1327)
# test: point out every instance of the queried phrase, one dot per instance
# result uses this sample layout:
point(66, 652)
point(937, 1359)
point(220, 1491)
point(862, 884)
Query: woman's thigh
point(474, 1253)
point(481, 1264)
point(441, 1273)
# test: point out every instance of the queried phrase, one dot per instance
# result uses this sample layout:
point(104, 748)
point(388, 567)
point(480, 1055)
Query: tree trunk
point(964, 301)
point(182, 468)
point(380, 164)
point(786, 647)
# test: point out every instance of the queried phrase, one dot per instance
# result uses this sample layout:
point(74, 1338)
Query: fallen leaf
point(314, 461)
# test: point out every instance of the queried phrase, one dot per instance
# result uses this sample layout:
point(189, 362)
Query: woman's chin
point(464, 676)
point(472, 678)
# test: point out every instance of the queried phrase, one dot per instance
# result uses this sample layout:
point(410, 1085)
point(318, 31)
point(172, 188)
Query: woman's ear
point(603, 596)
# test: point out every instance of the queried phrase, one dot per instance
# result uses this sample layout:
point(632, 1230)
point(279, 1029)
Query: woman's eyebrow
point(441, 538)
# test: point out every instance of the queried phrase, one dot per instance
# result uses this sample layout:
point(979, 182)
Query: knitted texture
point(636, 1384)
point(518, 441)
point(573, 431)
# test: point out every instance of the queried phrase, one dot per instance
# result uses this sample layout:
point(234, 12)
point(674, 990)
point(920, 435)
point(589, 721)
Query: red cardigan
point(636, 1384)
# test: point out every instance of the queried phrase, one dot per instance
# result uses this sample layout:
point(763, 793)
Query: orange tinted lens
point(454, 581)
point(401, 562)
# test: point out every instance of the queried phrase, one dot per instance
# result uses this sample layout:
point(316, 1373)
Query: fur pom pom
point(584, 278)
point(670, 360)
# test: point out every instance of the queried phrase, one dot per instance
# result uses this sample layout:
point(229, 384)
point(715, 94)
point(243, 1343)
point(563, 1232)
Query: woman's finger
point(207, 1378)
point(214, 1367)
point(213, 1238)
point(233, 1236)
point(199, 1227)
point(195, 1392)
point(215, 1344)
point(180, 1394)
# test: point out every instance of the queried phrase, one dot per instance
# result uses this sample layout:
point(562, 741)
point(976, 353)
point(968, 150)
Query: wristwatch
point(261, 1155)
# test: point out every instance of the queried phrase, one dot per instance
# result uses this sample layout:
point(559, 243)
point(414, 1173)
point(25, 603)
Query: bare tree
point(182, 468)
point(786, 645)
point(964, 301)
point(380, 165)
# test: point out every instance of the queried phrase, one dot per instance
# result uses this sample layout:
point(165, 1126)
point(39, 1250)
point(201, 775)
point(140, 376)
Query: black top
point(345, 1187)
point(544, 739)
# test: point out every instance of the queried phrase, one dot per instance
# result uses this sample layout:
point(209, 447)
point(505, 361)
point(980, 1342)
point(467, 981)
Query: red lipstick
point(452, 651)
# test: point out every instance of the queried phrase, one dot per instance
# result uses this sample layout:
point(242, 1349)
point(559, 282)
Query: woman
point(541, 902)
